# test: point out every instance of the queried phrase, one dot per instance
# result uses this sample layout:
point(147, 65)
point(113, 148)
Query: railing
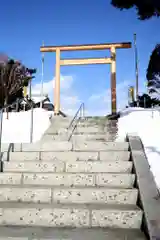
point(1, 119)
point(72, 126)
point(10, 149)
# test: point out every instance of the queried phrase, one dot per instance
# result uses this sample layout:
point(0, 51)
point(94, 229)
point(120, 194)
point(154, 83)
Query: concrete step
point(76, 167)
point(97, 134)
point(53, 137)
point(93, 137)
point(70, 180)
point(40, 146)
point(58, 119)
point(33, 166)
point(77, 134)
point(89, 124)
point(108, 124)
point(55, 130)
point(80, 137)
point(89, 129)
point(100, 146)
point(39, 233)
point(64, 124)
point(100, 167)
point(58, 123)
point(95, 195)
point(68, 146)
point(94, 119)
point(67, 156)
point(74, 215)
point(81, 195)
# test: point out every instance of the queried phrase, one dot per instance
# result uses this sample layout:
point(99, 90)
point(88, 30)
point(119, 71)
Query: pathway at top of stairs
point(83, 189)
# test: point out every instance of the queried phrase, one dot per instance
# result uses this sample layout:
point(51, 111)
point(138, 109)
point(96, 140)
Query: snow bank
point(17, 128)
point(146, 124)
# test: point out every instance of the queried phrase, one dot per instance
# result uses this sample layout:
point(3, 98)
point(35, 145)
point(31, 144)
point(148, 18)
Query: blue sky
point(25, 24)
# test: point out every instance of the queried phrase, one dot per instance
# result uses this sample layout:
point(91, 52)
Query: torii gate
point(63, 62)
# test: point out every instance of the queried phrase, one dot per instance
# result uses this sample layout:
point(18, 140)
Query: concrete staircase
point(82, 189)
point(96, 129)
point(57, 130)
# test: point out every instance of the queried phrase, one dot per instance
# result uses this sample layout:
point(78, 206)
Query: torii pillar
point(64, 62)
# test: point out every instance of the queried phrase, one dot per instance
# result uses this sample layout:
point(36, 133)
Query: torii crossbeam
point(62, 62)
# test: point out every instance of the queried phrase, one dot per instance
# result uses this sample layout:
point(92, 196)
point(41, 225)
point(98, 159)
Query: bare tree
point(13, 77)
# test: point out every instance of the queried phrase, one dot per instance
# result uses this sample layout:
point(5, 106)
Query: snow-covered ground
point(146, 124)
point(17, 127)
point(142, 122)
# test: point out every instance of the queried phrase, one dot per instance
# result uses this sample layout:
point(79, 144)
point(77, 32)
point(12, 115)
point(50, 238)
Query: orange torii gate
point(62, 62)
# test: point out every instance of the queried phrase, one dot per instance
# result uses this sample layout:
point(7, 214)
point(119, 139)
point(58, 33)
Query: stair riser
point(108, 196)
point(100, 146)
point(56, 131)
point(54, 138)
point(60, 124)
point(40, 146)
point(89, 130)
point(99, 167)
point(78, 167)
point(110, 137)
point(93, 138)
point(69, 156)
point(85, 125)
point(69, 180)
point(68, 146)
point(71, 218)
point(95, 129)
point(48, 195)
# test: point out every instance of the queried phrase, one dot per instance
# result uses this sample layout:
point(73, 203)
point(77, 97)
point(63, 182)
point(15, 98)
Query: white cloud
point(48, 86)
point(97, 104)
point(100, 103)
point(69, 100)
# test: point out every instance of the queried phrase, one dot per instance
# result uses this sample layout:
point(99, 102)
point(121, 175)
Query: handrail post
point(83, 111)
point(31, 127)
point(1, 129)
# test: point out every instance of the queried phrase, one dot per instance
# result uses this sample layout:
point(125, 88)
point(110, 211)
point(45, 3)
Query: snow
point(146, 124)
point(137, 121)
point(17, 127)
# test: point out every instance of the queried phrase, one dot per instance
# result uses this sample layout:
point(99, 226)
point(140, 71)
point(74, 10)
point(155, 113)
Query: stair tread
point(61, 187)
point(44, 233)
point(67, 156)
point(95, 206)
point(67, 162)
point(73, 151)
point(61, 166)
point(65, 179)
point(68, 173)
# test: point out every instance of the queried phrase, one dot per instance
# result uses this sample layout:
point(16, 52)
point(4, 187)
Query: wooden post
point(113, 81)
point(57, 84)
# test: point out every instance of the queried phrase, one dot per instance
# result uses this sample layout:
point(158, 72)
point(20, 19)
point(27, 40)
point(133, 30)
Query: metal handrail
point(10, 149)
point(79, 111)
point(1, 119)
